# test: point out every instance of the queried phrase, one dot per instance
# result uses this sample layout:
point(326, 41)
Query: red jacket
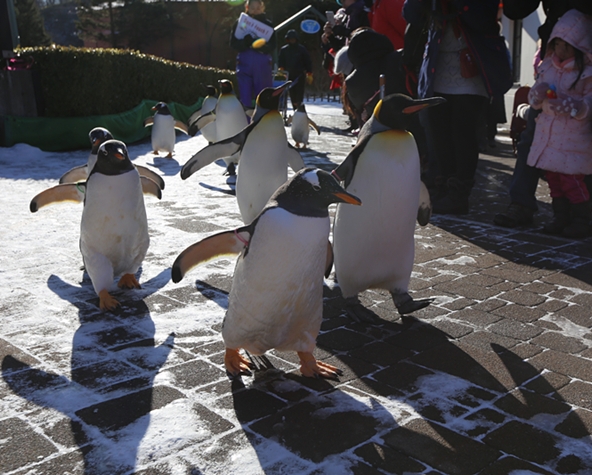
point(386, 18)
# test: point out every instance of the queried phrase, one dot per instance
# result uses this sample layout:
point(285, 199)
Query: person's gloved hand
point(309, 78)
point(538, 94)
point(567, 105)
point(248, 41)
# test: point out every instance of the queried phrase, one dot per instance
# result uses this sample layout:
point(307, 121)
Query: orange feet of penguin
point(106, 301)
point(128, 281)
point(312, 368)
point(170, 155)
point(236, 364)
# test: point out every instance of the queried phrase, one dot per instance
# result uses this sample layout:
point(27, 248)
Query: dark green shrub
point(78, 82)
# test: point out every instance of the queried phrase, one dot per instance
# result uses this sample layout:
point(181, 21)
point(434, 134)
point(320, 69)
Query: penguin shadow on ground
point(411, 399)
point(230, 181)
point(168, 166)
point(109, 395)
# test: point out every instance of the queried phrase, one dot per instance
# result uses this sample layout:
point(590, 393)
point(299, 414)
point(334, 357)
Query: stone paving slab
point(494, 378)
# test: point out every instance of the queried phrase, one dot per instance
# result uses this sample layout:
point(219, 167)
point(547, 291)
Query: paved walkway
point(494, 378)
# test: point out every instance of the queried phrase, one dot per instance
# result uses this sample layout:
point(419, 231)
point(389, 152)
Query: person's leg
point(262, 73)
point(525, 179)
point(297, 91)
point(560, 204)
point(581, 212)
point(465, 113)
point(244, 77)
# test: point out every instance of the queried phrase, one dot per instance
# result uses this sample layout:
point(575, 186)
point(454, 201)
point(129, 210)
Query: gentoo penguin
point(113, 230)
point(98, 136)
point(374, 244)
point(301, 125)
point(226, 120)
point(207, 105)
point(276, 300)
point(264, 152)
point(163, 129)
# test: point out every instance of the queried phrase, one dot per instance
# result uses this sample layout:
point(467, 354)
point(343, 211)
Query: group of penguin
point(276, 299)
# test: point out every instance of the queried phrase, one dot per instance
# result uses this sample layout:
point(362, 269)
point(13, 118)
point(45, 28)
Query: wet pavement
point(493, 378)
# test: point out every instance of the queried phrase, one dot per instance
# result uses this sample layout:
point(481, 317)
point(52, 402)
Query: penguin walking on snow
point(114, 230)
point(264, 154)
point(163, 129)
point(98, 136)
point(276, 300)
point(301, 125)
point(374, 245)
point(226, 120)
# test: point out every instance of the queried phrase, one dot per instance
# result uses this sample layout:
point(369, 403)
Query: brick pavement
point(494, 378)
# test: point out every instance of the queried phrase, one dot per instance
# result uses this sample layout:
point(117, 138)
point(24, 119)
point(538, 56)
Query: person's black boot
point(515, 215)
point(580, 227)
point(561, 217)
point(456, 200)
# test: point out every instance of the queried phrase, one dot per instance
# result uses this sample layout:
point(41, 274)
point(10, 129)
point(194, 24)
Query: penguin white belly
point(230, 118)
point(114, 230)
point(300, 129)
point(276, 300)
point(263, 166)
point(163, 133)
point(374, 243)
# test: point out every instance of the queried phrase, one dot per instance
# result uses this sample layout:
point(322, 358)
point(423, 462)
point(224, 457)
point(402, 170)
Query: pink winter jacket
point(562, 143)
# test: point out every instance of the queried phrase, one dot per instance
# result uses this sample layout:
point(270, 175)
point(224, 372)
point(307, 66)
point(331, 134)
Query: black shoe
point(451, 205)
point(515, 215)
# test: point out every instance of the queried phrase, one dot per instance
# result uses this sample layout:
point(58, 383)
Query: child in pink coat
point(562, 144)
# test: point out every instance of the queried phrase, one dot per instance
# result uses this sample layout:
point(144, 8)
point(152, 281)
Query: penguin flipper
point(64, 192)
point(294, 158)
point(181, 126)
point(211, 153)
point(143, 171)
point(345, 171)
point(329, 260)
point(148, 121)
point(314, 126)
point(200, 122)
point(424, 212)
point(221, 244)
point(75, 175)
point(150, 187)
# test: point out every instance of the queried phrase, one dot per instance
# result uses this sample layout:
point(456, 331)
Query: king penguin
point(113, 230)
point(163, 129)
point(276, 299)
point(207, 105)
point(374, 245)
point(226, 120)
point(301, 125)
point(264, 155)
point(97, 137)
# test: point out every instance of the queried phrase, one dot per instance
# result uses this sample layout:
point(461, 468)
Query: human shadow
point(110, 392)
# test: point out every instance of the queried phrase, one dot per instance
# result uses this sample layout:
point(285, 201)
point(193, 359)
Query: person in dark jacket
point(254, 62)
point(295, 59)
point(523, 203)
point(466, 61)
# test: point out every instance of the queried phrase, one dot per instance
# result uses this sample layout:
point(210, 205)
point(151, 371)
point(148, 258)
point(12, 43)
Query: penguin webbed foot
point(259, 363)
point(406, 305)
point(107, 301)
point(311, 368)
point(358, 313)
point(236, 364)
point(128, 281)
point(230, 170)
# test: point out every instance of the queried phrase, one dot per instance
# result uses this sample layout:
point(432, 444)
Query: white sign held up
point(249, 26)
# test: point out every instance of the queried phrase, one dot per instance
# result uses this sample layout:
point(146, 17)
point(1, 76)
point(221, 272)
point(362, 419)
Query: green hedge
point(80, 82)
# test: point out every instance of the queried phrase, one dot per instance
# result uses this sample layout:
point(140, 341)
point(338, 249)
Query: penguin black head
point(97, 136)
point(113, 159)
point(161, 108)
point(226, 86)
point(394, 110)
point(211, 90)
point(310, 192)
point(269, 98)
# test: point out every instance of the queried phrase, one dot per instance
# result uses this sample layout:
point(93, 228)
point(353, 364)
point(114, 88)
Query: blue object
point(310, 26)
